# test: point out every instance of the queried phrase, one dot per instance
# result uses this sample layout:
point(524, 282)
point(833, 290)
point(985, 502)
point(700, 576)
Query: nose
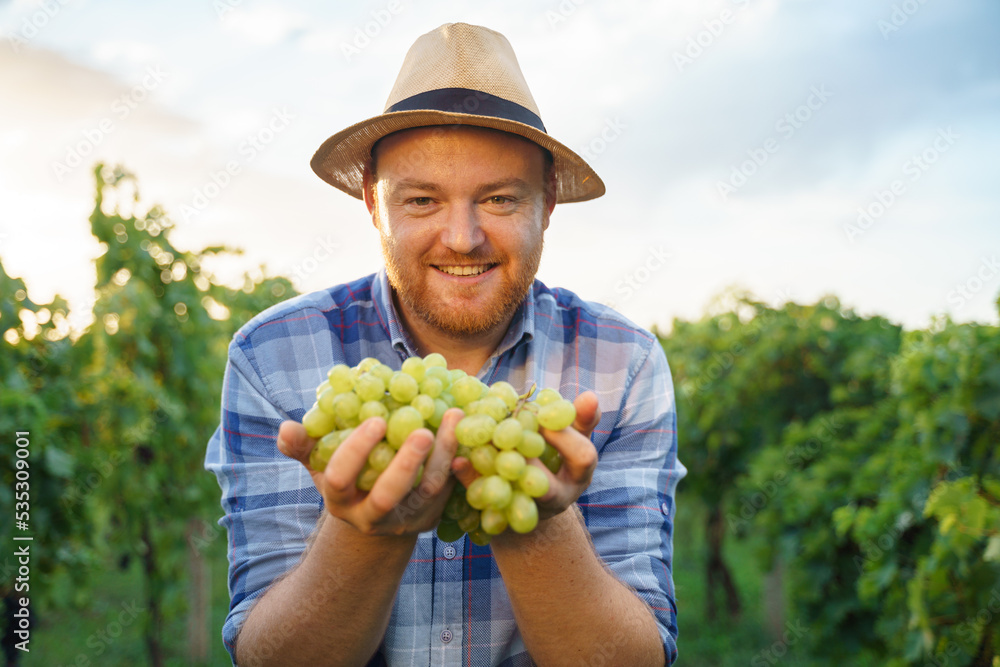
point(463, 231)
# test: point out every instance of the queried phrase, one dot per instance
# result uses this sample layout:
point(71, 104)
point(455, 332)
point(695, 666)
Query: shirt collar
point(521, 326)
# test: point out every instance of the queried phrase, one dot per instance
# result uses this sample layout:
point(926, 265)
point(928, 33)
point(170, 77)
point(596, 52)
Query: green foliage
point(37, 396)
point(154, 381)
point(866, 460)
point(120, 416)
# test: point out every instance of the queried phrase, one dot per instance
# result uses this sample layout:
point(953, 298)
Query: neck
point(466, 351)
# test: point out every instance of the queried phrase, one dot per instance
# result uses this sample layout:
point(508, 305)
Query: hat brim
point(341, 159)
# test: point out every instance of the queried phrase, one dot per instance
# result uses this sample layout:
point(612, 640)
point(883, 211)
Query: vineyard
point(842, 504)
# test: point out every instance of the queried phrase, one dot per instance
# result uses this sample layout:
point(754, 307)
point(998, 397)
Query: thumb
point(294, 443)
point(588, 413)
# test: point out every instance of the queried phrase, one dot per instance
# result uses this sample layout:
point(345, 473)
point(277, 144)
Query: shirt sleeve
point(270, 503)
point(629, 506)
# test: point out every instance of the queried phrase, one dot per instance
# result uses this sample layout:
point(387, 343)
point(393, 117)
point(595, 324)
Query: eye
point(421, 201)
point(500, 200)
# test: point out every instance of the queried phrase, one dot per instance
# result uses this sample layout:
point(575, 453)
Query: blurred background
point(801, 202)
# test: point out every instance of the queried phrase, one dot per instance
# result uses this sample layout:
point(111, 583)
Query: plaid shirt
point(451, 607)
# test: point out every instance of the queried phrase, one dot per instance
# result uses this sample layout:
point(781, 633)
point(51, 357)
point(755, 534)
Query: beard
point(420, 300)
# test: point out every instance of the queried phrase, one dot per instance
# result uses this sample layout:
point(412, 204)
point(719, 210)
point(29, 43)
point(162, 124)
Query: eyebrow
point(428, 186)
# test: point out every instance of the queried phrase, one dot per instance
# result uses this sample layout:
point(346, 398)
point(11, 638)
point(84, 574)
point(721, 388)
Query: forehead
point(420, 148)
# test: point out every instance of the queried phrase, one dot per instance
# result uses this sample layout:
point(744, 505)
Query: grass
point(70, 637)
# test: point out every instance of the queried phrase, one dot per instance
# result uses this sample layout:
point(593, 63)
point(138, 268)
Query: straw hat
point(458, 74)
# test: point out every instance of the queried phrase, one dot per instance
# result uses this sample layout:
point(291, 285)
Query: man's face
point(461, 212)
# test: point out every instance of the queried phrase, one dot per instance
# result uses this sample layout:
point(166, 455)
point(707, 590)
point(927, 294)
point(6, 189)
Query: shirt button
point(665, 508)
point(449, 552)
point(446, 636)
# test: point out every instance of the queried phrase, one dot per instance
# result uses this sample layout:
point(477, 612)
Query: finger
point(347, 462)
point(437, 470)
point(588, 413)
point(294, 443)
point(578, 452)
point(397, 480)
point(464, 472)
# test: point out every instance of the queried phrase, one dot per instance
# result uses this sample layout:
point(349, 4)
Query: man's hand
point(579, 459)
point(393, 506)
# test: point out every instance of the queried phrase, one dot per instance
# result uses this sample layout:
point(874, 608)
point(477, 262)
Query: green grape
point(551, 459)
point(346, 422)
point(369, 388)
point(391, 404)
point(403, 387)
point(435, 360)
point(532, 407)
point(448, 531)
point(325, 400)
point(557, 415)
point(431, 387)
point(496, 491)
point(475, 430)
point(317, 422)
point(321, 454)
point(473, 408)
point(372, 409)
point(480, 537)
point(474, 494)
point(483, 458)
point(509, 465)
point(366, 365)
point(346, 405)
point(456, 373)
point(323, 386)
point(420, 476)
point(532, 445)
point(533, 482)
point(494, 407)
point(463, 451)
point(424, 405)
point(440, 407)
point(522, 513)
point(382, 372)
point(505, 392)
point(366, 480)
point(401, 423)
point(439, 373)
point(456, 508)
point(465, 390)
point(448, 399)
point(493, 521)
point(469, 522)
point(528, 420)
point(341, 378)
point(546, 396)
point(508, 434)
point(415, 368)
point(381, 456)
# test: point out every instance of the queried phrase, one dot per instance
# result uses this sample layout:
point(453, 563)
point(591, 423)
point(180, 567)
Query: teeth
point(465, 270)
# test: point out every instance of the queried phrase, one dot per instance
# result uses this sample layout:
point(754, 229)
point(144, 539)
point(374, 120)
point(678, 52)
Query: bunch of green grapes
point(498, 434)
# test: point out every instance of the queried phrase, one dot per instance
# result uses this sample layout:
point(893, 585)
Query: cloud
point(264, 25)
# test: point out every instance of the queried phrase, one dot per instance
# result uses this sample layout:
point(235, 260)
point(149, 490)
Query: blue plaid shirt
point(451, 607)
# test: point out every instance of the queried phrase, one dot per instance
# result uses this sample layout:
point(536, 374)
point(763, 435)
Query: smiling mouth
point(464, 269)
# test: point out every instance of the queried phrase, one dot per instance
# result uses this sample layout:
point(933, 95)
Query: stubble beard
point(461, 322)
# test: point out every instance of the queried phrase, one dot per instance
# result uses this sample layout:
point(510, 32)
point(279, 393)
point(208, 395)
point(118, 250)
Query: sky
point(792, 148)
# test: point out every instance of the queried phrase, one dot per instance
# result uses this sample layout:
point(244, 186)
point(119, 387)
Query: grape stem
point(524, 398)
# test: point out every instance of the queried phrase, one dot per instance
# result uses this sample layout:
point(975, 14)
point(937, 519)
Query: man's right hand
point(393, 506)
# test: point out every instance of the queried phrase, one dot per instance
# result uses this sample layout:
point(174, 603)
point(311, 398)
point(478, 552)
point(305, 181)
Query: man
point(460, 179)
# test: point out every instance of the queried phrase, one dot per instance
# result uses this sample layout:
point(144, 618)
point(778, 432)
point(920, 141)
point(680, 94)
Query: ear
point(550, 198)
point(368, 192)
